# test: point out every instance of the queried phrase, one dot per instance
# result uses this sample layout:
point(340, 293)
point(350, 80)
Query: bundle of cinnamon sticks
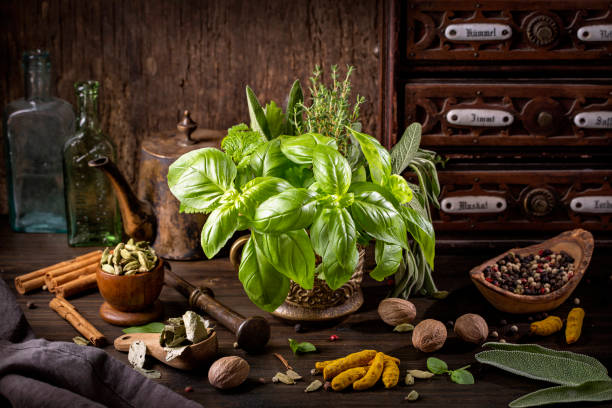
point(66, 278)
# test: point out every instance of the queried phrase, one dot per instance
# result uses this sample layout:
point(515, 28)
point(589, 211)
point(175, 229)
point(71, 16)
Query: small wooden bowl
point(577, 243)
point(131, 293)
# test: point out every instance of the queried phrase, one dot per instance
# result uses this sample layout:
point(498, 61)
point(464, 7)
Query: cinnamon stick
point(73, 266)
point(68, 312)
point(76, 286)
point(36, 279)
point(53, 283)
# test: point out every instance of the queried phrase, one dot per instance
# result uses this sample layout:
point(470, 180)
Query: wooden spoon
point(191, 358)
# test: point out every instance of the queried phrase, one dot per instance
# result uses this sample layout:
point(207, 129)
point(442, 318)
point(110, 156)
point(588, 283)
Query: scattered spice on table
point(531, 274)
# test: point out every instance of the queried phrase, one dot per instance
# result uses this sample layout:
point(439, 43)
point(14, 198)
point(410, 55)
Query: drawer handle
point(478, 32)
point(594, 120)
point(479, 117)
point(473, 204)
point(595, 33)
point(592, 204)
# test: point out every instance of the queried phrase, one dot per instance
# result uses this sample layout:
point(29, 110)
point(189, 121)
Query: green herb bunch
point(301, 195)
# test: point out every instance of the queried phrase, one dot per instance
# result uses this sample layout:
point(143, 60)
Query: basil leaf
point(290, 254)
point(404, 151)
point(290, 210)
point(258, 190)
point(304, 347)
point(399, 188)
point(462, 377)
point(388, 259)
point(275, 119)
point(294, 120)
point(153, 327)
point(266, 287)
point(422, 231)
point(199, 178)
point(257, 114)
point(359, 174)
point(377, 156)
point(377, 216)
point(299, 149)
point(269, 160)
point(331, 170)
point(436, 366)
point(219, 227)
point(339, 259)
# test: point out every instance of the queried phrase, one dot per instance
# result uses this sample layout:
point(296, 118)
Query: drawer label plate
point(594, 120)
point(478, 32)
point(479, 117)
point(595, 33)
point(592, 204)
point(472, 204)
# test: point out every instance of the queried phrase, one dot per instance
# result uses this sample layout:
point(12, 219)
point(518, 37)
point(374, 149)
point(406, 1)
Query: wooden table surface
point(21, 253)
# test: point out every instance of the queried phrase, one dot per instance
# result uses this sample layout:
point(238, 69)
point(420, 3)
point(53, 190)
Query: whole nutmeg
point(394, 311)
point(472, 328)
point(429, 335)
point(228, 372)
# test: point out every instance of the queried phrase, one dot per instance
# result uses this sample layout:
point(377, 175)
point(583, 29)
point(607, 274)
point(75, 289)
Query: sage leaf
point(265, 286)
point(436, 366)
point(594, 391)
point(257, 114)
point(154, 327)
point(537, 349)
point(403, 327)
point(303, 347)
point(545, 367)
point(462, 376)
point(174, 352)
point(422, 231)
point(404, 151)
point(195, 330)
point(289, 253)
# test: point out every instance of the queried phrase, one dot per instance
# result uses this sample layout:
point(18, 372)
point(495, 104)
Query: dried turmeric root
point(546, 327)
point(574, 325)
point(373, 374)
point(358, 359)
point(390, 374)
point(347, 377)
point(387, 358)
point(320, 365)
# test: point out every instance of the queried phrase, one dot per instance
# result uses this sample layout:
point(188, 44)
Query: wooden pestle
point(252, 333)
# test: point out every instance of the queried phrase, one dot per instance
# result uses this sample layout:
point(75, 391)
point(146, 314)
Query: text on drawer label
point(473, 204)
point(599, 32)
point(478, 32)
point(479, 117)
point(594, 120)
point(592, 204)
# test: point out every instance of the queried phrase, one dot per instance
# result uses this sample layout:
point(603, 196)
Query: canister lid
point(186, 137)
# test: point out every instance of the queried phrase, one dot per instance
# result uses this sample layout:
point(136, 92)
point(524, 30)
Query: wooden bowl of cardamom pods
point(131, 297)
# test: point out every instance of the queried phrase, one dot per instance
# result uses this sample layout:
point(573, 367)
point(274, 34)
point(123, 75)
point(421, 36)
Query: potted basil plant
point(313, 190)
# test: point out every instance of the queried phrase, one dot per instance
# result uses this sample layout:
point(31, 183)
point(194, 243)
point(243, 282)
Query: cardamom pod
point(125, 254)
point(117, 269)
point(284, 378)
point(108, 269)
point(313, 386)
point(420, 374)
point(293, 375)
point(412, 396)
point(409, 379)
point(132, 265)
point(105, 255)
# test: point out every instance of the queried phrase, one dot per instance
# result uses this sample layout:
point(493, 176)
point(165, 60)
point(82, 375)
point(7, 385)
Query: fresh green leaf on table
point(436, 366)
point(459, 376)
point(592, 391)
point(153, 327)
point(303, 347)
point(462, 376)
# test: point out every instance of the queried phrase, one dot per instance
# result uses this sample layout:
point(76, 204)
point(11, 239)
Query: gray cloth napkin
point(41, 373)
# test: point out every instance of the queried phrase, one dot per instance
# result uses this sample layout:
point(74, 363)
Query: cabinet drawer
point(510, 114)
point(509, 30)
point(524, 200)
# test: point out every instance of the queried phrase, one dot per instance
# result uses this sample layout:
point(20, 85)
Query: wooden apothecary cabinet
point(518, 96)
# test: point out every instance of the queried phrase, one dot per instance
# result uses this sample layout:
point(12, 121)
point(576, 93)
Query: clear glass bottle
point(91, 205)
point(35, 129)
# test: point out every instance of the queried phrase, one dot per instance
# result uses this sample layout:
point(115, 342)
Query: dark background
point(155, 58)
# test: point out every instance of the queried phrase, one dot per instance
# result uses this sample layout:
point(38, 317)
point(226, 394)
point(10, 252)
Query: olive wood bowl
point(131, 293)
point(577, 243)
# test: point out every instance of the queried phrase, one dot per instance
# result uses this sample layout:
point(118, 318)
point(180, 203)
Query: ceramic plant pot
point(319, 304)
point(577, 243)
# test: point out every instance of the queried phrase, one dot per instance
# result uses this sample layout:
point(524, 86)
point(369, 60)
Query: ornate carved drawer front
point(509, 30)
point(525, 114)
point(530, 200)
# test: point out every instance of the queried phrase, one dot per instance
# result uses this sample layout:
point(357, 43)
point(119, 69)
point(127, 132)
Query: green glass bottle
point(91, 206)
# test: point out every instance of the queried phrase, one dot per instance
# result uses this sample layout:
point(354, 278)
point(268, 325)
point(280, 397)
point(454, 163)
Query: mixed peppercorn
point(532, 274)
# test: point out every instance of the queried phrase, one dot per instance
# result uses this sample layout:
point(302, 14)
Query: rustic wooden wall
point(155, 58)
